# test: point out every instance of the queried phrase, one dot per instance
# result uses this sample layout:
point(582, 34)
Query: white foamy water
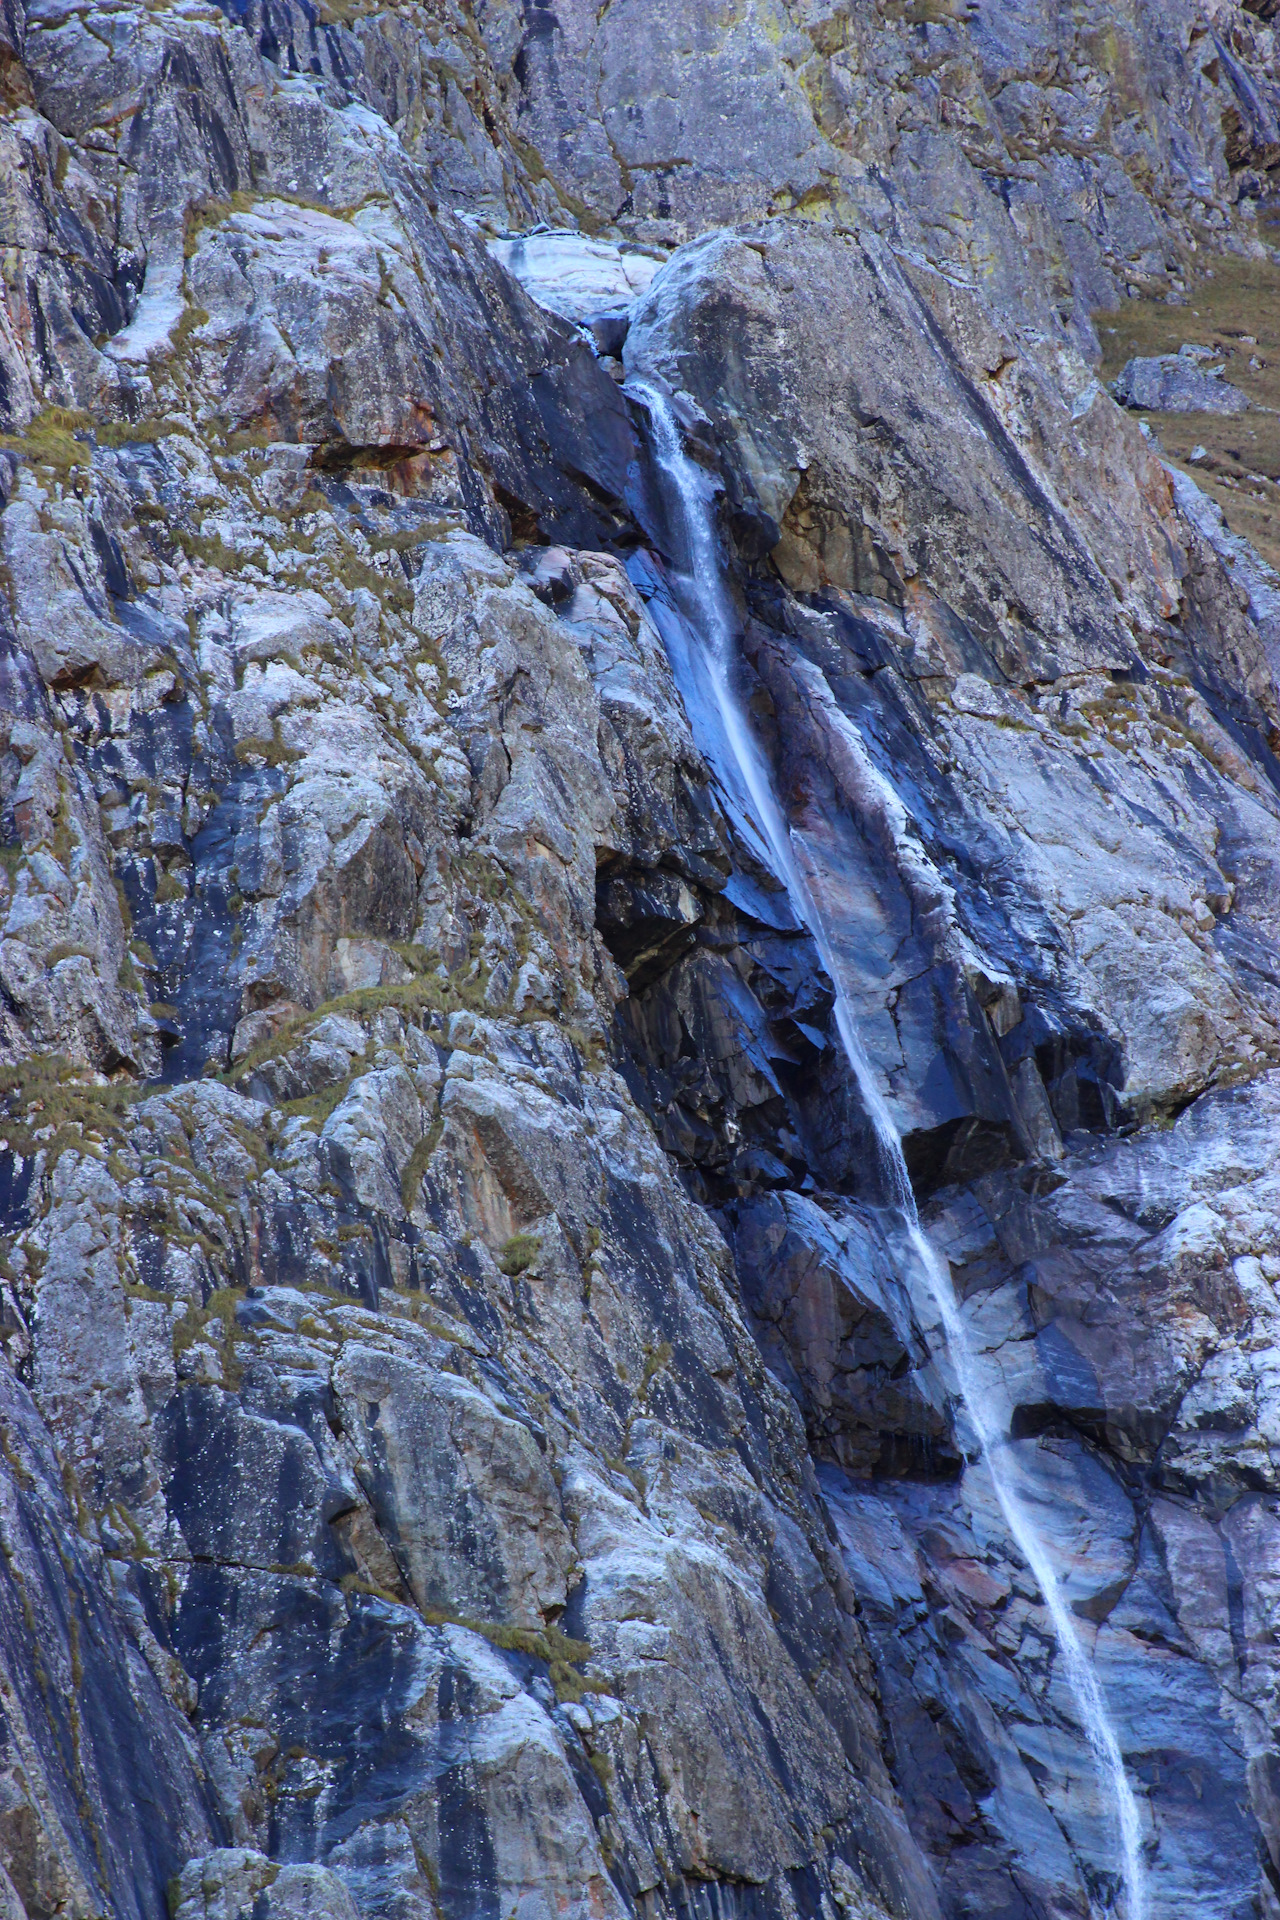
point(724, 735)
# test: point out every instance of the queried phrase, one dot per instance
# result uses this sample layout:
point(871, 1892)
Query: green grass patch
point(55, 439)
point(315, 1108)
point(46, 1106)
point(419, 1160)
point(519, 1254)
point(561, 1654)
point(217, 1319)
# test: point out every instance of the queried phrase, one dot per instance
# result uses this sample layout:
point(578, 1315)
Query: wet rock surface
point(469, 1447)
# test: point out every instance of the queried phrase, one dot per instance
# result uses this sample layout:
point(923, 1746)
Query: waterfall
point(724, 735)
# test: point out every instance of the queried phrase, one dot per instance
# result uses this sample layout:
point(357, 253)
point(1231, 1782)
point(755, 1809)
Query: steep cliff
point(471, 1443)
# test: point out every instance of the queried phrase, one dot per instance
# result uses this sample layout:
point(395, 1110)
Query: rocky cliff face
point(469, 1449)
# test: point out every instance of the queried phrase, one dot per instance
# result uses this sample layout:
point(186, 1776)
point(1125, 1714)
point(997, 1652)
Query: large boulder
point(1177, 383)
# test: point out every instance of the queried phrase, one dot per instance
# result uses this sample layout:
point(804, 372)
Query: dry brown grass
point(1234, 307)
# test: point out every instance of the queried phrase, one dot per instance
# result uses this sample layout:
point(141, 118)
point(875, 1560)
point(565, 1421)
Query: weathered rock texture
point(467, 1449)
point(1175, 383)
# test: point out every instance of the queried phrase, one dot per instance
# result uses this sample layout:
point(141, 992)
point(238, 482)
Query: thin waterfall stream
point(724, 735)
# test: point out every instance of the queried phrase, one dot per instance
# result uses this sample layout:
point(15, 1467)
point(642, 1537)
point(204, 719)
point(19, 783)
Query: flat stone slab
point(575, 276)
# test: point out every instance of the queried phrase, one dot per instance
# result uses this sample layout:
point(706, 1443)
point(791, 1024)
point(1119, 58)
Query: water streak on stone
point(724, 735)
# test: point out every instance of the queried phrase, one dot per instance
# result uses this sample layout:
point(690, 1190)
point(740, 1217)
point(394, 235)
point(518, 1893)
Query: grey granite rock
point(1176, 383)
point(102, 1792)
point(233, 1883)
point(469, 1447)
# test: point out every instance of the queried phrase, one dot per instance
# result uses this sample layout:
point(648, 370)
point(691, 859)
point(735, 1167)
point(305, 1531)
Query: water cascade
point(724, 735)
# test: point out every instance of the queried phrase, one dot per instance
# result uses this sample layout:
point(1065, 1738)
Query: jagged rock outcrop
point(469, 1448)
